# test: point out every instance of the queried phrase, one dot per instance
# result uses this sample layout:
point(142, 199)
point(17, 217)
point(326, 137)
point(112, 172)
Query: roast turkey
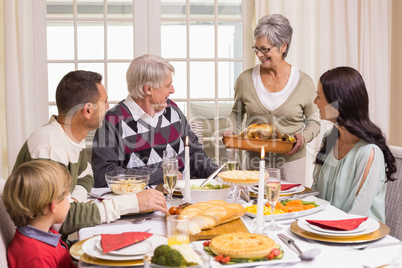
point(264, 131)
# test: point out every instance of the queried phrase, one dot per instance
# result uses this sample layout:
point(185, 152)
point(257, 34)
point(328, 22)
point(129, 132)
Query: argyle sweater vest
point(139, 144)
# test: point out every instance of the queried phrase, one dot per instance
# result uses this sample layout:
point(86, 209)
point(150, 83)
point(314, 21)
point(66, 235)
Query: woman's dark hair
point(345, 90)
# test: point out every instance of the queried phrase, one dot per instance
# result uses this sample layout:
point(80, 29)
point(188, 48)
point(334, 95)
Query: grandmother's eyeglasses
point(262, 50)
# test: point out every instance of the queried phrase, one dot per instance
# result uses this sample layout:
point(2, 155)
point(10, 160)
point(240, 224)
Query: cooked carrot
point(296, 202)
point(308, 206)
point(279, 205)
point(295, 208)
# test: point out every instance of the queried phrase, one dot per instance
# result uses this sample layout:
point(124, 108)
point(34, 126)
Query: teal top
point(338, 181)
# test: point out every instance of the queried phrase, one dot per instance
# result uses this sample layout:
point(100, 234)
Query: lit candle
point(187, 192)
point(259, 222)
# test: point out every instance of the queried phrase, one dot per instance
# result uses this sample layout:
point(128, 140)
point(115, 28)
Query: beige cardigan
point(298, 114)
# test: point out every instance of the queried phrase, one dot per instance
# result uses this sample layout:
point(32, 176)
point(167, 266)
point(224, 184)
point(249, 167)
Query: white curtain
point(3, 141)
point(332, 33)
point(23, 115)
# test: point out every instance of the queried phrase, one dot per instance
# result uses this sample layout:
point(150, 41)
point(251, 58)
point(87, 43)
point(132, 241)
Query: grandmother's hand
point(227, 132)
point(151, 199)
point(299, 144)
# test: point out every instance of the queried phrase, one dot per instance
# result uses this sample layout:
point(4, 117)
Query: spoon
point(309, 254)
point(306, 255)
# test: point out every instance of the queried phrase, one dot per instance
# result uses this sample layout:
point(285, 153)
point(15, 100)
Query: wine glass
point(232, 155)
point(272, 190)
point(168, 154)
point(232, 163)
point(170, 170)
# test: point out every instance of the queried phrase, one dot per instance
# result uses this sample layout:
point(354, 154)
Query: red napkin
point(285, 187)
point(112, 242)
point(339, 225)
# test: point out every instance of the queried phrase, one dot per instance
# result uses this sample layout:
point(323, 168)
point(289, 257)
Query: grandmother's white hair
point(146, 70)
point(276, 28)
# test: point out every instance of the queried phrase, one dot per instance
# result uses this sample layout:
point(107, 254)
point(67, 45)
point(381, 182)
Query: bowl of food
point(211, 191)
point(176, 256)
point(127, 181)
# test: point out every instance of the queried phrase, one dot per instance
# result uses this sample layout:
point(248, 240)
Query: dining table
point(333, 254)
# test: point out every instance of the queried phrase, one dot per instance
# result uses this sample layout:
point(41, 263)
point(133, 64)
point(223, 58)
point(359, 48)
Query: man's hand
point(179, 175)
point(299, 144)
point(151, 199)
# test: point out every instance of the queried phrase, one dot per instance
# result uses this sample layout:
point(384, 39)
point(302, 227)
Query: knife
point(212, 175)
point(289, 241)
point(298, 196)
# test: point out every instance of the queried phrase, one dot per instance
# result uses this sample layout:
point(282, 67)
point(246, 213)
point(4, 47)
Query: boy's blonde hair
point(32, 187)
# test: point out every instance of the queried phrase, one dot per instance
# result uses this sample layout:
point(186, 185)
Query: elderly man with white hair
point(137, 130)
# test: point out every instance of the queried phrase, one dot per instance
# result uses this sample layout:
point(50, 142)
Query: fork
point(378, 245)
point(140, 220)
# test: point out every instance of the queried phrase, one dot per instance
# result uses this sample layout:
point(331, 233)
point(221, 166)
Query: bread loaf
point(206, 215)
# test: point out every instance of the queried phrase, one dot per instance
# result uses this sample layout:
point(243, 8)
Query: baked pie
point(242, 245)
point(240, 176)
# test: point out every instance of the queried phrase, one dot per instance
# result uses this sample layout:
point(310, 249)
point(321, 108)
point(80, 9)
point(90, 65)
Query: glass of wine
point(170, 170)
point(272, 191)
point(232, 155)
point(168, 155)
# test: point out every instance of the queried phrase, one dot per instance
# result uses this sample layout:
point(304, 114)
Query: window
point(203, 39)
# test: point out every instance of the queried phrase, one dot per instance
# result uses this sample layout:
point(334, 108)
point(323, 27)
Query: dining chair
point(393, 198)
point(7, 230)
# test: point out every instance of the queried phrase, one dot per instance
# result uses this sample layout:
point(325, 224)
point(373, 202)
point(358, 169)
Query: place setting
point(348, 229)
point(119, 249)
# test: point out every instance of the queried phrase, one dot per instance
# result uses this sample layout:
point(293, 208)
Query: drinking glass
point(233, 159)
point(232, 163)
point(170, 170)
point(177, 230)
point(168, 155)
point(272, 190)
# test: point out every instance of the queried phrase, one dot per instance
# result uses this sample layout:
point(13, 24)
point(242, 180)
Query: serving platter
point(290, 215)
point(288, 257)
point(382, 231)
point(272, 145)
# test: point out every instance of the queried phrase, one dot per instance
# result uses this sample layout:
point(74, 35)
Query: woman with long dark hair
point(354, 161)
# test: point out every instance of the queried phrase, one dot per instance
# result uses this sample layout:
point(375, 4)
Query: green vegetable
point(284, 202)
point(209, 186)
point(309, 203)
point(165, 255)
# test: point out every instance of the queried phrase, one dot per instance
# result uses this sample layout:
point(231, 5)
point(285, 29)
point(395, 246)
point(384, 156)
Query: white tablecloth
point(332, 255)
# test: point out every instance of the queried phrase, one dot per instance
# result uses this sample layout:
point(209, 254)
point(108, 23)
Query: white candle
point(187, 192)
point(259, 222)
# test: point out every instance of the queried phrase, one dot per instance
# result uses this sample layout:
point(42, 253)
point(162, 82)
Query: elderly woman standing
point(137, 130)
point(277, 92)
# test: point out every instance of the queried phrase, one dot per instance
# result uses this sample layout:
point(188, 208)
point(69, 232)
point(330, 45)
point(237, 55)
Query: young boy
point(36, 197)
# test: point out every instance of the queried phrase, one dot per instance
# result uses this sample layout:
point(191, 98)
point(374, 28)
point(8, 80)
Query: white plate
point(363, 226)
point(89, 247)
point(285, 216)
point(294, 190)
point(289, 256)
point(139, 248)
point(372, 225)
